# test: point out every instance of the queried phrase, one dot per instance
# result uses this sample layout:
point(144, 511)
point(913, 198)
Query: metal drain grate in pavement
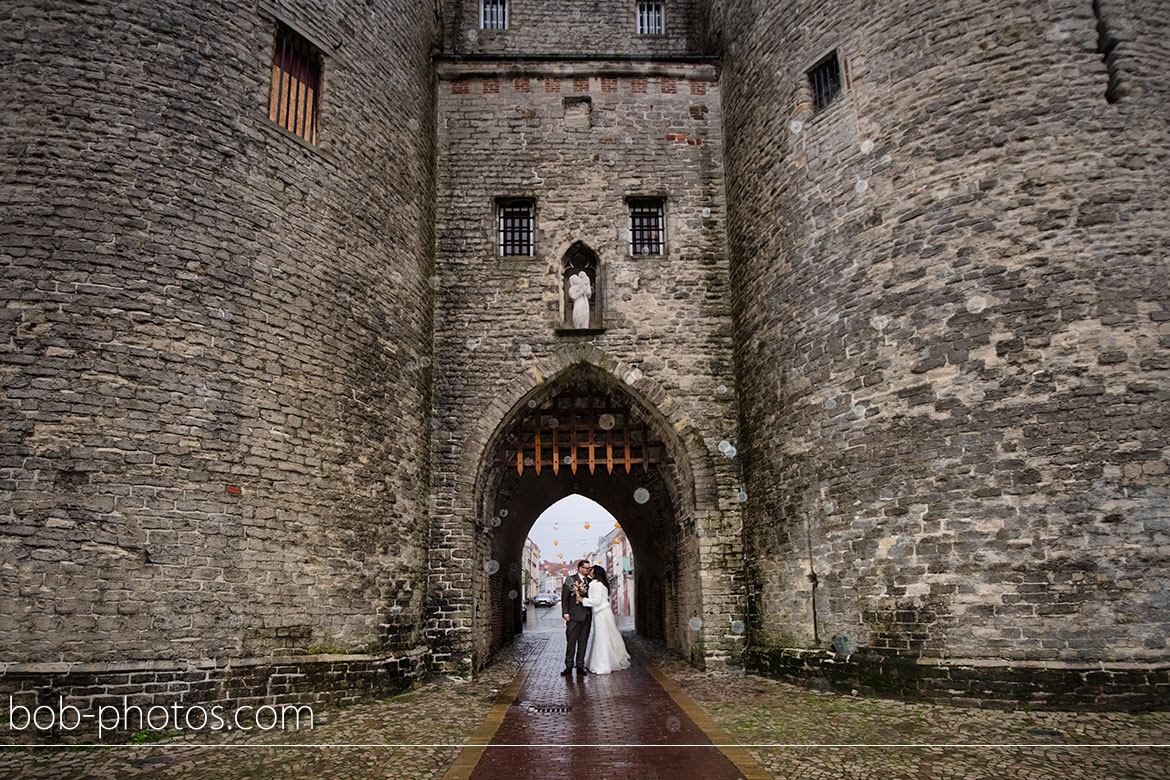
point(534, 708)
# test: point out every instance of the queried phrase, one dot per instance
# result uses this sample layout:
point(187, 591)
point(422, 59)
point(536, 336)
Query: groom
point(578, 619)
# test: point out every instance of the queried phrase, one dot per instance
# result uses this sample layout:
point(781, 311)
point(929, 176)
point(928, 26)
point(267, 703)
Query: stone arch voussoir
point(644, 389)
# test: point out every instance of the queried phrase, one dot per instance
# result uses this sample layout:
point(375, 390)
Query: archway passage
point(585, 434)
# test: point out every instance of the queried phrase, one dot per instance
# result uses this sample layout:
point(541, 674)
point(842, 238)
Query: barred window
point(825, 78)
point(646, 227)
point(493, 14)
point(296, 85)
point(650, 18)
point(515, 227)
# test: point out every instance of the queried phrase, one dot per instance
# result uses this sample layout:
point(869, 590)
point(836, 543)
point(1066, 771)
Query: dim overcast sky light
point(571, 513)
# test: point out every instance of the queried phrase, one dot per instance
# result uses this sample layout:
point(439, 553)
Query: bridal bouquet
point(580, 589)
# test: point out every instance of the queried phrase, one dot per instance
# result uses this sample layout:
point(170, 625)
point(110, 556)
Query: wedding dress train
point(607, 650)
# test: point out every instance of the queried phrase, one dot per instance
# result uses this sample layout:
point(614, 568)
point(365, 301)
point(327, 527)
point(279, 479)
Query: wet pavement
point(827, 736)
point(823, 735)
point(618, 726)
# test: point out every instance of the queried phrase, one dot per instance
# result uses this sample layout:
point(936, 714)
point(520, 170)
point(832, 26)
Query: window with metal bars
point(650, 18)
point(646, 227)
point(296, 85)
point(515, 227)
point(493, 14)
point(825, 78)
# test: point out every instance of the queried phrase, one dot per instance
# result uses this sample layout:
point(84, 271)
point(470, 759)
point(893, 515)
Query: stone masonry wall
point(579, 139)
point(243, 404)
point(952, 327)
point(290, 685)
point(212, 419)
point(537, 27)
point(1050, 685)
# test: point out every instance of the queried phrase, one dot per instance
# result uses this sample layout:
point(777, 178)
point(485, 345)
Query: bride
point(607, 650)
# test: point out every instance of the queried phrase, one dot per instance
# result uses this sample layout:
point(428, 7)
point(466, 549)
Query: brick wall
point(940, 324)
point(537, 27)
point(951, 311)
point(212, 410)
point(302, 681)
point(580, 139)
point(1049, 685)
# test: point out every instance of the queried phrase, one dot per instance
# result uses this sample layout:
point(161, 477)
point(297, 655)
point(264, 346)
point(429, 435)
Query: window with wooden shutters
point(515, 228)
point(296, 85)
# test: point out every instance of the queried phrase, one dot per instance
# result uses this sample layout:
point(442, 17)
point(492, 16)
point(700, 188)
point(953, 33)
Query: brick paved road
point(624, 708)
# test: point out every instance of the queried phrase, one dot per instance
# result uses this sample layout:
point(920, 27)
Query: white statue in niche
point(580, 288)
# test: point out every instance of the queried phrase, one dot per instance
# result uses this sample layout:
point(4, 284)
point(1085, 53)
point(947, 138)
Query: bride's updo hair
point(598, 575)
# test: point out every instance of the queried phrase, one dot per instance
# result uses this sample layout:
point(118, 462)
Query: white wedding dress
point(607, 650)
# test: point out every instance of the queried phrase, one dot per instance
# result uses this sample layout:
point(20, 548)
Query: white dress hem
point(606, 651)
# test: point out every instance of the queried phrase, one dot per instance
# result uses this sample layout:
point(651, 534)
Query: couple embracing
point(591, 632)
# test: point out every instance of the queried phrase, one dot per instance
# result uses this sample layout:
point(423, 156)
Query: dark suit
point(577, 627)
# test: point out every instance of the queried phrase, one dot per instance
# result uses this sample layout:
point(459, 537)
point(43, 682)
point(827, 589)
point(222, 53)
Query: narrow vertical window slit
point(1107, 47)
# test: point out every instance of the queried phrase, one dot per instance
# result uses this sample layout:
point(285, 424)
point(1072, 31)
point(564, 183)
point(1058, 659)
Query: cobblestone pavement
point(756, 710)
point(752, 709)
point(439, 712)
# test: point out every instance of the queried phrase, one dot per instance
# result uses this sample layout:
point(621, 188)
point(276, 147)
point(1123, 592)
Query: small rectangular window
point(493, 14)
point(515, 227)
point(296, 85)
point(825, 79)
point(650, 17)
point(646, 227)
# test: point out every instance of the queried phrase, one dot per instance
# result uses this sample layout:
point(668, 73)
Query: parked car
point(545, 600)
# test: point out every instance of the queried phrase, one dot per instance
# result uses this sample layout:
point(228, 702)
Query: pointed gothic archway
point(699, 513)
point(584, 431)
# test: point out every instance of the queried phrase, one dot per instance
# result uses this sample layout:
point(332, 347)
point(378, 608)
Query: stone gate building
point(870, 363)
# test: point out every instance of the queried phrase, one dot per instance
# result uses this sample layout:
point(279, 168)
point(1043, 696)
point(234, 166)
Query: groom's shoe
point(582, 670)
point(568, 671)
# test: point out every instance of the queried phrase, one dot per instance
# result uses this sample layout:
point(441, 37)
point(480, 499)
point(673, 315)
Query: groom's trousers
point(576, 638)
